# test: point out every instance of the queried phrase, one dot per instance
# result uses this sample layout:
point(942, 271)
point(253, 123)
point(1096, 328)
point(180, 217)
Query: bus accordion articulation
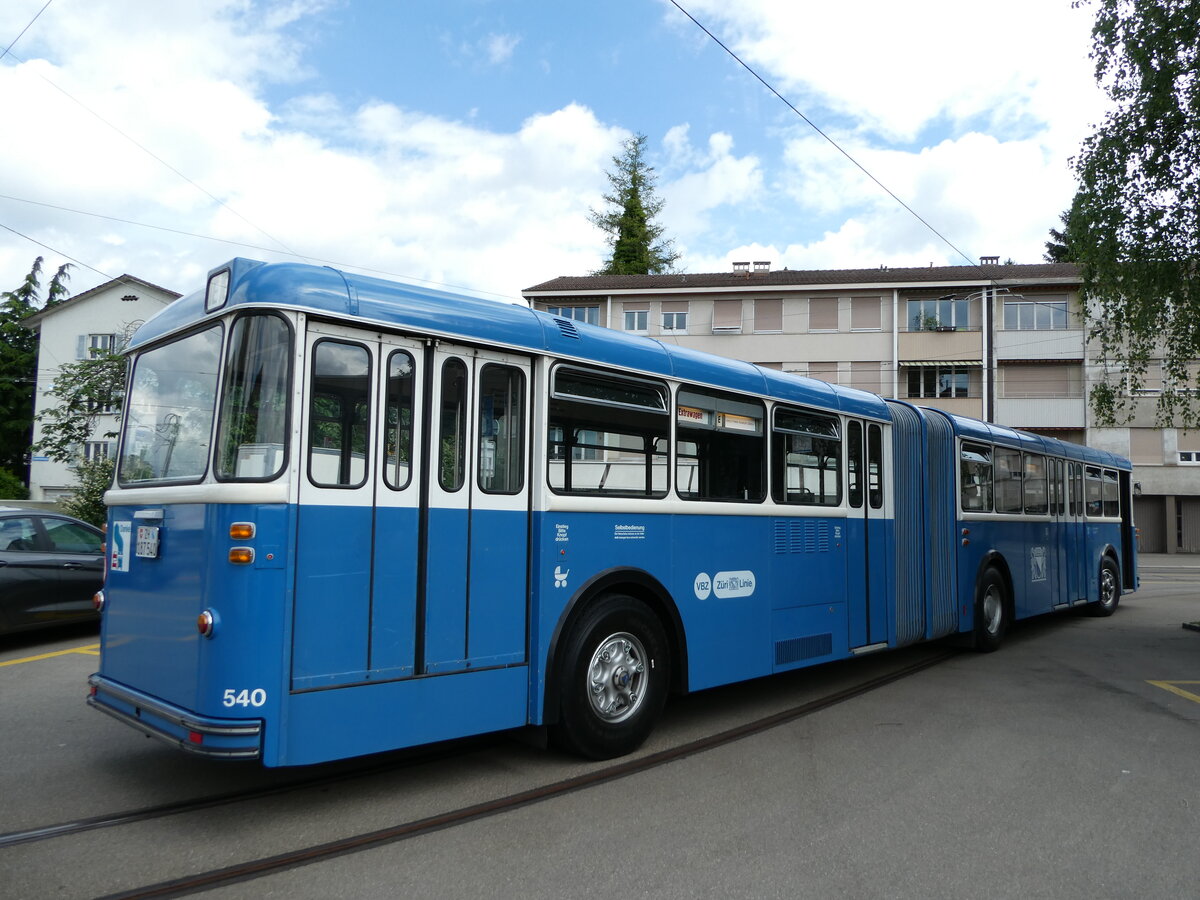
point(351, 515)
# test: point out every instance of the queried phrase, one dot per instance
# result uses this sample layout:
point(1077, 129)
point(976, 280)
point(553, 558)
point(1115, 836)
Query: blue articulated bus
point(351, 515)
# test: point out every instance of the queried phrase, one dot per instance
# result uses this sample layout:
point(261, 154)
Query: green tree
point(92, 478)
point(1135, 222)
point(636, 239)
point(18, 363)
point(1060, 248)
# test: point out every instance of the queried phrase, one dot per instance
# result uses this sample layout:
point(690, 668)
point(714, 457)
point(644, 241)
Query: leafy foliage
point(18, 363)
point(638, 247)
point(12, 487)
point(86, 390)
point(1135, 222)
point(92, 478)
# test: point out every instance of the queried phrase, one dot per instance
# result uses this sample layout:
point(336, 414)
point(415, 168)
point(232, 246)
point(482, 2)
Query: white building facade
point(96, 320)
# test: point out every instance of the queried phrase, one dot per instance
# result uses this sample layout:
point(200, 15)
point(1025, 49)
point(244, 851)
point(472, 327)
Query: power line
point(25, 29)
point(53, 250)
point(245, 246)
point(832, 142)
point(162, 161)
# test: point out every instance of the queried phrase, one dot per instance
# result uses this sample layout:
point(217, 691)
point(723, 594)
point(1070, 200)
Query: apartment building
point(1004, 343)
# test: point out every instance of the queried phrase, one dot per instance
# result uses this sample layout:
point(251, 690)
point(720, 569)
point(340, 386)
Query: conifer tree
point(636, 239)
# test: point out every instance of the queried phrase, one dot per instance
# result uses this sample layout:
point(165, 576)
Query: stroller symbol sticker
point(560, 577)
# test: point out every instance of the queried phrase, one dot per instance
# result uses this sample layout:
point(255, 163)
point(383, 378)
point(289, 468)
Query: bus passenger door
point(1059, 550)
point(473, 611)
point(334, 519)
point(866, 582)
point(1076, 535)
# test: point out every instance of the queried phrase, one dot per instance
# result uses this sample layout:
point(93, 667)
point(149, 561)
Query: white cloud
point(711, 178)
point(500, 47)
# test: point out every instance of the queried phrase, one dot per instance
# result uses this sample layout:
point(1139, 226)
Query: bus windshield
point(168, 427)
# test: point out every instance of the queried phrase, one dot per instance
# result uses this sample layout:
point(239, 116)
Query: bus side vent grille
point(796, 649)
point(568, 329)
point(801, 536)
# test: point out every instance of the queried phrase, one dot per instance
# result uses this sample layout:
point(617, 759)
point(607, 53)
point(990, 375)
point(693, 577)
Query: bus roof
point(1036, 443)
point(327, 291)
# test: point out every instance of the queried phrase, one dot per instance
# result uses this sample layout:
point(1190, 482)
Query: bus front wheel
point(615, 673)
point(991, 611)
point(1110, 590)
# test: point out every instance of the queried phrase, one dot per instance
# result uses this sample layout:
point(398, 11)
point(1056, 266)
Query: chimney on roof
point(762, 267)
point(989, 260)
point(742, 267)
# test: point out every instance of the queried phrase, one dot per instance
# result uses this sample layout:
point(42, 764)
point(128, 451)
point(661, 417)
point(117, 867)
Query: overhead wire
point(29, 25)
point(840, 149)
point(246, 246)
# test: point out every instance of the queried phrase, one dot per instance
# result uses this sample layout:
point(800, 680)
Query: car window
point(18, 533)
point(71, 537)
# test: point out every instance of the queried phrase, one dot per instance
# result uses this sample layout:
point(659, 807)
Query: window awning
point(940, 362)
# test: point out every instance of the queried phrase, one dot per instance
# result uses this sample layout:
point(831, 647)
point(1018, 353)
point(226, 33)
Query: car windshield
point(168, 426)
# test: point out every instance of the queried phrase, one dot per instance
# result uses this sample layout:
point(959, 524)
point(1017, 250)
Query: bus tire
point(616, 669)
point(991, 611)
point(1110, 590)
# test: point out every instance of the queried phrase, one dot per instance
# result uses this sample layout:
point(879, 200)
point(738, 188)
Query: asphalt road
point(1064, 765)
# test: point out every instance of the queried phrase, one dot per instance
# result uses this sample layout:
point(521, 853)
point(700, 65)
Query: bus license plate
point(147, 541)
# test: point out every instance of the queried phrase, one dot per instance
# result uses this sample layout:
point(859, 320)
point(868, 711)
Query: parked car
point(50, 566)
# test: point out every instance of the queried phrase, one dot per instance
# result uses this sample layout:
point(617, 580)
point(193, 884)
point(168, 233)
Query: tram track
point(278, 863)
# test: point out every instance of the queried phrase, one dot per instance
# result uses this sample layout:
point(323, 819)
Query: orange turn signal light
point(241, 556)
point(241, 531)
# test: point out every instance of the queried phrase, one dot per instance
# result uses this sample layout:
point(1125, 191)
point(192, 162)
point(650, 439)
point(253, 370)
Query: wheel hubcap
point(617, 677)
point(1108, 587)
point(993, 610)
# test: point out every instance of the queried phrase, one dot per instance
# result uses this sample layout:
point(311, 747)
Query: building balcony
point(967, 345)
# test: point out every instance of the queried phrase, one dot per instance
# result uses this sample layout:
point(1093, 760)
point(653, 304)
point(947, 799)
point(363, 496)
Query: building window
point(674, 316)
point(588, 314)
point(94, 450)
point(947, 313)
point(768, 316)
point(1041, 314)
point(92, 345)
point(636, 320)
point(1040, 381)
point(1189, 457)
point(823, 314)
point(727, 317)
point(824, 371)
point(674, 322)
point(940, 381)
point(865, 313)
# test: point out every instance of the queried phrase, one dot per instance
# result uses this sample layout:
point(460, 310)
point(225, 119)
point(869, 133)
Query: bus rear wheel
point(615, 673)
point(991, 611)
point(1110, 590)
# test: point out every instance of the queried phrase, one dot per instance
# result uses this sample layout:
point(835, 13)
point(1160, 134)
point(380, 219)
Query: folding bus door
point(358, 517)
point(473, 611)
point(866, 557)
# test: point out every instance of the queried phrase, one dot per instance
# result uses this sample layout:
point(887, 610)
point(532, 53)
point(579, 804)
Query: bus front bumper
point(200, 735)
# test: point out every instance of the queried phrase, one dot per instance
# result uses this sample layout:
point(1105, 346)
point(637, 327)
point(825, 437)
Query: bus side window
point(339, 415)
point(452, 434)
point(1008, 474)
point(976, 472)
point(501, 429)
point(1035, 493)
point(608, 434)
point(875, 466)
point(1095, 492)
point(1112, 495)
point(722, 447)
point(807, 459)
point(398, 426)
point(854, 464)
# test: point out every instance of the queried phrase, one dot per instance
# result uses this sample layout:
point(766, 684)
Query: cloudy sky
point(463, 142)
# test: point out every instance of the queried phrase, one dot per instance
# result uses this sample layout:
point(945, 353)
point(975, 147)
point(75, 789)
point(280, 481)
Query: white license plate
point(147, 541)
